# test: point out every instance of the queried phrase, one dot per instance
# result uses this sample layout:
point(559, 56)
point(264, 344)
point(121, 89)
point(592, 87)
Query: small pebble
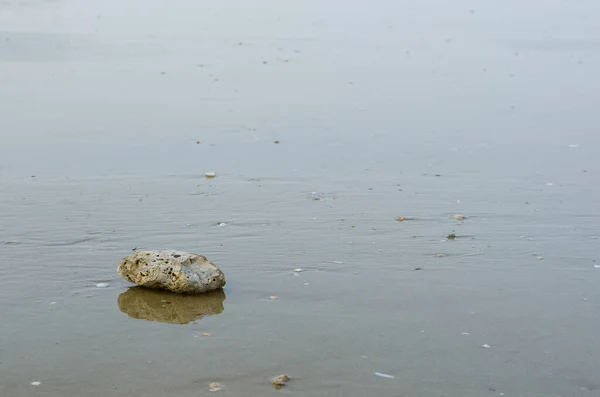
point(214, 387)
point(486, 346)
point(36, 383)
point(210, 174)
point(101, 285)
point(298, 270)
point(206, 334)
point(273, 298)
point(459, 217)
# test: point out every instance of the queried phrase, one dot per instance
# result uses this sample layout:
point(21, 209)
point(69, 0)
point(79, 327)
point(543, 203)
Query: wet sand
point(420, 110)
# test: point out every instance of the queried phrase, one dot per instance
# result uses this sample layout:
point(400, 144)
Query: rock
point(175, 271)
point(167, 307)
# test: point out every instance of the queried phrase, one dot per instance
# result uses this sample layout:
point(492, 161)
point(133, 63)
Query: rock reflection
point(167, 307)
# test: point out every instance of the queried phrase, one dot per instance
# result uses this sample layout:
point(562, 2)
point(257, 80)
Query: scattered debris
point(210, 175)
point(451, 236)
point(102, 285)
point(279, 381)
point(399, 219)
point(214, 387)
point(486, 346)
point(384, 375)
point(459, 217)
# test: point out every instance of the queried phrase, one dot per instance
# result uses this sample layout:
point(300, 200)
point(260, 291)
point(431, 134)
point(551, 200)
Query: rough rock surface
point(176, 271)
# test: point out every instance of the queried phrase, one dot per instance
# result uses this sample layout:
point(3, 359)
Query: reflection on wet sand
point(166, 307)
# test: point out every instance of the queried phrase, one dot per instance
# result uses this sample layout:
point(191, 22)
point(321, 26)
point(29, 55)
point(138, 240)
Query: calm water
point(419, 109)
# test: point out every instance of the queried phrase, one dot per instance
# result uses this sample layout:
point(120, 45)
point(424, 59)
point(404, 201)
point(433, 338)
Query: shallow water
point(423, 110)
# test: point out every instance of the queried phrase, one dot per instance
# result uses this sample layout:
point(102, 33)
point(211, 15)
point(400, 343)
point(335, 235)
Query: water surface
point(423, 110)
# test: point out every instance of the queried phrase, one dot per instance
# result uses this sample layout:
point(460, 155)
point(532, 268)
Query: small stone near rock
point(279, 381)
point(215, 387)
point(176, 271)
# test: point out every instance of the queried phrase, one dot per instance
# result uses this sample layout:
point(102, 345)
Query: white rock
point(36, 383)
point(102, 285)
point(176, 271)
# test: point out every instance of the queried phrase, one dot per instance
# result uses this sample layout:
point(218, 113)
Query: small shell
point(279, 381)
